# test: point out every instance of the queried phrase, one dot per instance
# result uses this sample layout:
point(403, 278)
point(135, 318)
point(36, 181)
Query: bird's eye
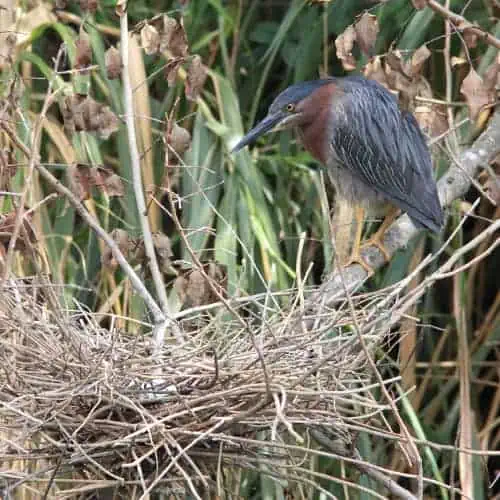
point(290, 107)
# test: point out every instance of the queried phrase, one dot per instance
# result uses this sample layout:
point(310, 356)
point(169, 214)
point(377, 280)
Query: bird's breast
point(314, 136)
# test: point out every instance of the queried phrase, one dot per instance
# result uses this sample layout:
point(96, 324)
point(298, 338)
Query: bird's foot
point(377, 240)
point(357, 258)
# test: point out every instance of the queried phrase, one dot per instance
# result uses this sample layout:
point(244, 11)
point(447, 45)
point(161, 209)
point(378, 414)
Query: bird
point(374, 152)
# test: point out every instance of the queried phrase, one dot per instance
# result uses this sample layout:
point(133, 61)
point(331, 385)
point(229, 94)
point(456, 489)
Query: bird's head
point(290, 109)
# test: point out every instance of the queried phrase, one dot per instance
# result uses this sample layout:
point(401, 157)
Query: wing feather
point(385, 148)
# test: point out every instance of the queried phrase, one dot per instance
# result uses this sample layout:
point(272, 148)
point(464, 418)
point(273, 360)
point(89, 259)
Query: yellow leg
point(355, 257)
point(378, 238)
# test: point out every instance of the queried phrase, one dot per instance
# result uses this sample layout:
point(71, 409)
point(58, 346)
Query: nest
point(86, 407)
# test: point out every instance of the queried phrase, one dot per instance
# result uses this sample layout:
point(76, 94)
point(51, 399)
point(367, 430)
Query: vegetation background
point(257, 218)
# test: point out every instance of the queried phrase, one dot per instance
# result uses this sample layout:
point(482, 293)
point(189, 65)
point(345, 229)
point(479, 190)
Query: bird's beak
point(269, 123)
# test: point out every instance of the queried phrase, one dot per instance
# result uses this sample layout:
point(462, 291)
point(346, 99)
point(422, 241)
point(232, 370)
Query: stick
point(159, 331)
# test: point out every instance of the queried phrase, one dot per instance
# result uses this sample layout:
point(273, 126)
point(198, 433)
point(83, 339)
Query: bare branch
point(159, 333)
point(462, 24)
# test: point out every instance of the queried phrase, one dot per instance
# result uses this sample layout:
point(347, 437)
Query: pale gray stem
point(167, 321)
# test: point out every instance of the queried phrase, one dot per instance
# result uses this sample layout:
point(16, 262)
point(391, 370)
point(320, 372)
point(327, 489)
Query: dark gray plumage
point(379, 153)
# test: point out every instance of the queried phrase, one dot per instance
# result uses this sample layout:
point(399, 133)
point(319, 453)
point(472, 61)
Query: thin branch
point(159, 332)
point(364, 467)
point(33, 160)
point(462, 24)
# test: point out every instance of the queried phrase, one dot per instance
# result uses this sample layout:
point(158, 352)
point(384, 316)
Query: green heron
point(374, 152)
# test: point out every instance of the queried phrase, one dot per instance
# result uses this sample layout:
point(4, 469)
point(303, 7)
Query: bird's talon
point(377, 242)
point(356, 258)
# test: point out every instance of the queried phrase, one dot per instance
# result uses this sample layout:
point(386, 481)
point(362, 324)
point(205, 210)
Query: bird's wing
point(385, 149)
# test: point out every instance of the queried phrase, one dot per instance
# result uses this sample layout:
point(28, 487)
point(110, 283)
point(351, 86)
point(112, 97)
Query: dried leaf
point(395, 61)
point(193, 288)
point(76, 109)
point(83, 57)
point(179, 139)
point(109, 123)
point(91, 114)
point(196, 76)
point(80, 180)
point(174, 37)
point(470, 37)
point(121, 237)
point(492, 76)
point(164, 253)
point(419, 4)
point(197, 291)
point(418, 59)
point(171, 69)
point(85, 114)
point(113, 62)
point(113, 185)
point(150, 39)
point(375, 71)
point(492, 187)
point(475, 92)
point(8, 168)
point(366, 33)
point(432, 119)
point(83, 177)
point(344, 44)
point(26, 236)
point(89, 5)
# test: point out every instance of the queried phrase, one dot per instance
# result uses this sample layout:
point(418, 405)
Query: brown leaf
point(83, 56)
point(121, 237)
point(375, 71)
point(91, 114)
point(197, 290)
point(470, 37)
point(395, 61)
point(109, 123)
point(432, 119)
point(179, 139)
point(196, 76)
point(26, 235)
point(475, 92)
point(171, 69)
point(89, 5)
point(344, 44)
point(85, 114)
point(173, 37)
point(418, 59)
point(113, 185)
point(492, 76)
point(492, 187)
point(164, 253)
point(419, 4)
point(150, 39)
point(113, 62)
point(193, 288)
point(366, 29)
point(83, 177)
point(8, 168)
point(80, 180)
